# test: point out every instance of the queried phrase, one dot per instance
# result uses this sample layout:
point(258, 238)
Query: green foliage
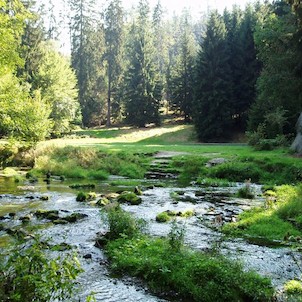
point(213, 86)
point(246, 191)
point(191, 275)
point(142, 89)
point(293, 287)
point(22, 116)
point(190, 167)
point(176, 236)
point(277, 222)
point(279, 85)
point(121, 224)
point(90, 163)
point(163, 217)
point(181, 70)
point(31, 274)
point(87, 59)
point(212, 182)
point(57, 83)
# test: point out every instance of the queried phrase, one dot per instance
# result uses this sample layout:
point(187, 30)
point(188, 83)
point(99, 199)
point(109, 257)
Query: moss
point(163, 217)
point(130, 198)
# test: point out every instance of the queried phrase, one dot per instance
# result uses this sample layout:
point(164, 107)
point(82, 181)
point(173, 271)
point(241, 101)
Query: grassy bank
point(280, 219)
point(93, 163)
point(167, 266)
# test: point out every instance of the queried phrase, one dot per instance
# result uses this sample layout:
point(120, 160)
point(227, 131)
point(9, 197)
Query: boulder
point(297, 144)
point(130, 198)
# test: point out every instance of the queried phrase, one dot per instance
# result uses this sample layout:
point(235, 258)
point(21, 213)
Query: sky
point(197, 7)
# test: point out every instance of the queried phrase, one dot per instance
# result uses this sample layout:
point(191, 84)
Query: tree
point(57, 83)
point(143, 91)
point(87, 52)
point(114, 39)
point(279, 85)
point(212, 112)
point(181, 80)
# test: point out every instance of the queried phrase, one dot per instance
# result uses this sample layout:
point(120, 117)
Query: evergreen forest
point(227, 73)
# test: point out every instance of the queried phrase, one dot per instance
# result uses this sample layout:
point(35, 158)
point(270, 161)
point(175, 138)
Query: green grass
point(190, 275)
point(280, 221)
point(93, 163)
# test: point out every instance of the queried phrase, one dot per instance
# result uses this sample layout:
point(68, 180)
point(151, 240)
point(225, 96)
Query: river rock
point(215, 161)
point(130, 198)
point(297, 144)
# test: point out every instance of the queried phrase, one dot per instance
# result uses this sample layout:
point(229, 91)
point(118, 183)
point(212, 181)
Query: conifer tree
point(143, 91)
point(181, 80)
point(212, 112)
point(87, 52)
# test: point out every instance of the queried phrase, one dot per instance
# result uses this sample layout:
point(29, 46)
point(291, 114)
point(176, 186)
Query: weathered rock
point(74, 217)
point(103, 202)
point(47, 214)
point(215, 161)
point(297, 144)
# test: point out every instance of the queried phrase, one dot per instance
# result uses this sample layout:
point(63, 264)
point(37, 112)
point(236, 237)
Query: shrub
point(246, 191)
point(176, 236)
point(236, 171)
point(31, 274)
point(122, 224)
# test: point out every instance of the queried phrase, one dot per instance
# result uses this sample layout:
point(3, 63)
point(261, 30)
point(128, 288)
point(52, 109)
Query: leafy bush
point(30, 274)
point(122, 224)
point(246, 191)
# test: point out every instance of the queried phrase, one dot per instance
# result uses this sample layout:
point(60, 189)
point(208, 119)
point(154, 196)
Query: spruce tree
point(181, 80)
point(87, 52)
point(212, 112)
point(114, 39)
point(143, 92)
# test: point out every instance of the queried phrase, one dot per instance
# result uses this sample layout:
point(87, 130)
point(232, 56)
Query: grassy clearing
point(93, 163)
point(169, 267)
point(279, 220)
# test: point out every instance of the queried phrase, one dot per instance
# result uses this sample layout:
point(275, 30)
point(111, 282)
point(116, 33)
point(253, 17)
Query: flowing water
point(210, 206)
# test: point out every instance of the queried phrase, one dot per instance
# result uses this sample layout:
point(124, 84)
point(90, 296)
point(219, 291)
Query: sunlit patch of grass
point(92, 163)
point(279, 221)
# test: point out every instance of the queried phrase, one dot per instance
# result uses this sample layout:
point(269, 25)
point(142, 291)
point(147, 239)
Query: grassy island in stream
point(280, 219)
point(170, 267)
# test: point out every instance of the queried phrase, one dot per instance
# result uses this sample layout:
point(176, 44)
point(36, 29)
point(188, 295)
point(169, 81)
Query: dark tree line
point(227, 73)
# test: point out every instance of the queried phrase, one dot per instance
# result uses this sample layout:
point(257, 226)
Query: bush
point(30, 274)
point(122, 224)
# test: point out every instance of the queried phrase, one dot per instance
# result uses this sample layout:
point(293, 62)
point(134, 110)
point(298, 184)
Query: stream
point(202, 229)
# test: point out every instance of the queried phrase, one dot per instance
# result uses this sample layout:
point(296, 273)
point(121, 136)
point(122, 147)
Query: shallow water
point(202, 232)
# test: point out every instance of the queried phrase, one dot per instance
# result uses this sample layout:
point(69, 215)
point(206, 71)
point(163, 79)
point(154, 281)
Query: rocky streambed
point(210, 208)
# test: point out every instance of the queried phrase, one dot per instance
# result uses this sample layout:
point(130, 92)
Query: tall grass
point(281, 220)
point(75, 162)
point(168, 266)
